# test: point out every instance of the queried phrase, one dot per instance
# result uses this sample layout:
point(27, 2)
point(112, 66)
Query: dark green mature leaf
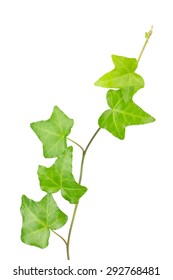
point(59, 177)
point(53, 133)
point(122, 114)
point(122, 77)
point(38, 219)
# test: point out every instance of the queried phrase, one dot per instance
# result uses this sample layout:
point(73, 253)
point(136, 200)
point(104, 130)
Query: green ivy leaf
point(122, 77)
point(59, 177)
point(53, 133)
point(122, 114)
point(38, 219)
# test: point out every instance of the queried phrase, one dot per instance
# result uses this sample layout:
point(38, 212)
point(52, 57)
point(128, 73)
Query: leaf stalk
point(76, 144)
point(60, 236)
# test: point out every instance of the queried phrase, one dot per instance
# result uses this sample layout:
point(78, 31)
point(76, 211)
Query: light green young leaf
point(59, 177)
point(38, 219)
point(122, 114)
point(122, 77)
point(53, 133)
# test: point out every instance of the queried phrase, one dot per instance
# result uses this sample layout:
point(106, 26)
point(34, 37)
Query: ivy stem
point(60, 236)
point(80, 179)
point(76, 144)
point(84, 154)
point(147, 36)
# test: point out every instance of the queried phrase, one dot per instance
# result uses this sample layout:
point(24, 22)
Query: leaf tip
point(96, 83)
point(24, 202)
point(153, 119)
point(70, 148)
point(24, 198)
point(122, 137)
point(32, 125)
point(55, 109)
point(150, 119)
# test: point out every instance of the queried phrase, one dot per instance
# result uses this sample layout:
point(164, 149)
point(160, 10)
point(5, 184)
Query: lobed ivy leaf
point(38, 219)
point(53, 133)
point(122, 114)
point(59, 177)
point(122, 77)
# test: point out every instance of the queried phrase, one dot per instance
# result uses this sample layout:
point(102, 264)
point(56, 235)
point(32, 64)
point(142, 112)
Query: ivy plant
point(43, 217)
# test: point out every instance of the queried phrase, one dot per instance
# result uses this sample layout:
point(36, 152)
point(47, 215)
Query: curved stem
point(89, 143)
point(147, 36)
point(84, 154)
point(70, 230)
point(76, 206)
point(59, 236)
point(76, 144)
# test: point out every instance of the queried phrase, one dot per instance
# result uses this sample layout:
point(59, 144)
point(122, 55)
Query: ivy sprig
point(43, 217)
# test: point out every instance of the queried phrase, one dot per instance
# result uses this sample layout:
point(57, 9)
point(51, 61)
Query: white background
point(51, 53)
